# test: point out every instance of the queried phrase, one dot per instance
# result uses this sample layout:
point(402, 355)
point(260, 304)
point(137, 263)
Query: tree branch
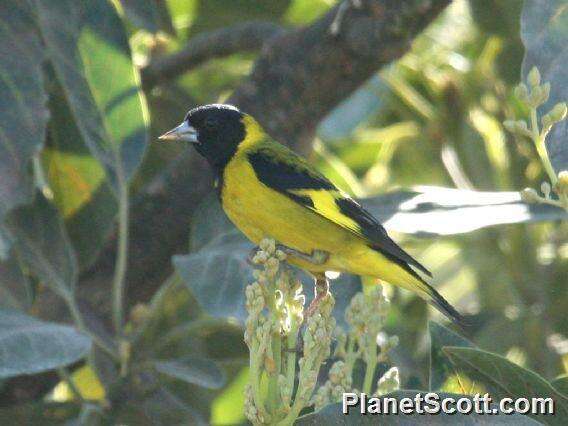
point(248, 36)
point(301, 76)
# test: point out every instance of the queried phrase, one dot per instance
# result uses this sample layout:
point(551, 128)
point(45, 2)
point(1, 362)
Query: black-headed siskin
point(268, 191)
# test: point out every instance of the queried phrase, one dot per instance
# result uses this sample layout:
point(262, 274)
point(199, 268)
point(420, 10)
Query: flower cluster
point(535, 95)
point(275, 306)
point(365, 340)
point(283, 372)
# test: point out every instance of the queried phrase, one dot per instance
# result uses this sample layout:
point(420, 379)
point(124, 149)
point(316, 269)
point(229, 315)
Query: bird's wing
point(289, 174)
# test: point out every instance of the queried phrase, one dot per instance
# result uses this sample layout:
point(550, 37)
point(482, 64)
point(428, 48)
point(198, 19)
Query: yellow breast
point(261, 212)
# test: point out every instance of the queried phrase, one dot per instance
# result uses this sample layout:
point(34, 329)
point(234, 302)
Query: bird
point(269, 191)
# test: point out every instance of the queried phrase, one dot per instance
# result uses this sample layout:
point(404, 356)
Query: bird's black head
point(215, 131)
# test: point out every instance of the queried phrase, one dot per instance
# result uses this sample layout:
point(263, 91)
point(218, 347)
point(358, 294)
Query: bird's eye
point(210, 123)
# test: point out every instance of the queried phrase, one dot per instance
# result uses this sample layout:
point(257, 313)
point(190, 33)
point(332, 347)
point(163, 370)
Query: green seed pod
point(536, 96)
point(558, 112)
point(546, 122)
point(522, 92)
point(534, 77)
point(545, 92)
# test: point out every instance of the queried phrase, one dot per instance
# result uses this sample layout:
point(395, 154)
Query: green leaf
point(302, 12)
point(331, 415)
point(429, 211)
point(43, 246)
point(88, 49)
point(440, 366)
point(198, 371)
point(31, 346)
point(15, 288)
point(544, 31)
point(81, 190)
point(227, 408)
point(23, 114)
point(213, 14)
point(503, 379)
point(152, 15)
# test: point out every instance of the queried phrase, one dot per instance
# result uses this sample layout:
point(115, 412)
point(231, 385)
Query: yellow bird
point(268, 191)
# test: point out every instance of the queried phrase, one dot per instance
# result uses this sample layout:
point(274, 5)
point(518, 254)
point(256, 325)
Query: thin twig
point(538, 139)
point(119, 282)
point(248, 36)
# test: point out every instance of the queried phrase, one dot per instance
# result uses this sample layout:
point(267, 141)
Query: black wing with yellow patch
point(289, 174)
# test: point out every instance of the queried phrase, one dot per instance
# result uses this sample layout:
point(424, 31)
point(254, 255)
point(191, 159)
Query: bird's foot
point(335, 27)
point(317, 257)
point(321, 290)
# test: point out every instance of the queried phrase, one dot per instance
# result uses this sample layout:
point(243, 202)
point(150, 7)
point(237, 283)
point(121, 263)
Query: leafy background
point(421, 144)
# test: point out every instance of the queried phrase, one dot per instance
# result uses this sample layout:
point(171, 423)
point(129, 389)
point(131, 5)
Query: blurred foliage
point(73, 142)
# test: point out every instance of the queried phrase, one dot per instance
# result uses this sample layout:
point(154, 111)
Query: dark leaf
point(164, 407)
point(152, 15)
point(431, 211)
point(343, 290)
point(89, 51)
point(23, 114)
point(209, 221)
point(218, 274)
point(440, 366)
point(332, 415)
point(503, 379)
point(15, 288)
point(6, 242)
point(544, 31)
point(39, 413)
point(43, 246)
point(561, 385)
point(31, 346)
point(198, 371)
point(81, 189)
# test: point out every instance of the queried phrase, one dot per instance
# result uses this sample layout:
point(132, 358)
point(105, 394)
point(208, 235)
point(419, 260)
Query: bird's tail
point(439, 302)
point(414, 282)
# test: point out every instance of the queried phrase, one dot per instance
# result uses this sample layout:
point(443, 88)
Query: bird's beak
point(183, 133)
